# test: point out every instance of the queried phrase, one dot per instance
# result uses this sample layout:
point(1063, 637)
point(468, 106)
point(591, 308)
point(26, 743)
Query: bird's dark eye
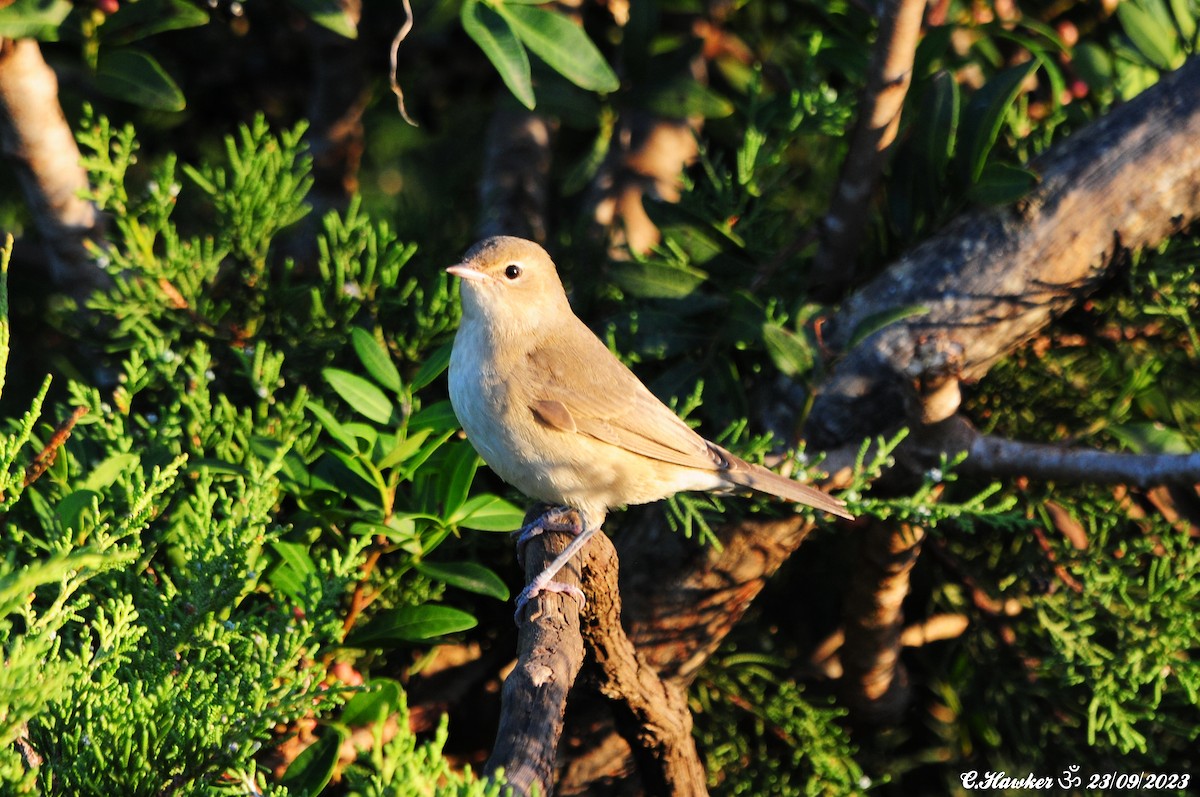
point(512, 271)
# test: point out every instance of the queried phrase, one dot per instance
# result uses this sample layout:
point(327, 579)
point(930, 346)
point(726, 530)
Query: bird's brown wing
point(603, 399)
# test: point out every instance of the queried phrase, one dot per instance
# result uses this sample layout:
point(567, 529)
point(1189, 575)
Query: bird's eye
point(512, 271)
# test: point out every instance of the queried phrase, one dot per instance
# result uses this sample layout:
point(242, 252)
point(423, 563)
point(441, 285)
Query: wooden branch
point(995, 277)
point(680, 602)
point(514, 189)
point(874, 684)
point(40, 145)
point(534, 697)
point(651, 715)
point(888, 77)
point(992, 456)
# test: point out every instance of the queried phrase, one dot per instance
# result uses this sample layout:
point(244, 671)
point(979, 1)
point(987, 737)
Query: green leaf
point(1094, 64)
point(877, 321)
point(411, 624)
point(984, 116)
point(375, 359)
point(1002, 183)
point(658, 280)
point(404, 448)
point(331, 425)
point(1147, 437)
point(134, 76)
point(469, 576)
point(460, 465)
point(71, 508)
point(496, 38)
point(383, 696)
point(295, 556)
point(937, 123)
point(108, 470)
point(313, 768)
point(681, 97)
point(362, 396)
point(562, 45)
point(433, 366)
point(135, 21)
point(34, 19)
point(329, 14)
point(439, 417)
point(489, 513)
point(1153, 39)
point(791, 353)
point(1184, 12)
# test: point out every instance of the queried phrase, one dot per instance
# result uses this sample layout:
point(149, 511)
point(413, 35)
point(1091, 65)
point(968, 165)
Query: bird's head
point(510, 284)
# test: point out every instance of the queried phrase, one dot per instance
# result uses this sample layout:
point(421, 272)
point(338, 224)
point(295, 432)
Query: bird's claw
point(559, 518)
point(535, 588)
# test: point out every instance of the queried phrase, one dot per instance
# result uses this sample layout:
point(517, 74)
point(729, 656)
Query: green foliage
point(748, 711)
point(175, 574)
point(503, 30)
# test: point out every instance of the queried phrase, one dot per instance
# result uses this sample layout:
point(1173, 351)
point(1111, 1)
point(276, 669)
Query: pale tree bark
point(994, 278)
point(42, 149)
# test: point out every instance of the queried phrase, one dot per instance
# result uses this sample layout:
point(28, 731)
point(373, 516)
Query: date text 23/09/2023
point(1072, 779)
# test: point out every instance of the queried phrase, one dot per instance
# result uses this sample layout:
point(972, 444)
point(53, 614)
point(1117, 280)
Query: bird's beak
point(463, 271)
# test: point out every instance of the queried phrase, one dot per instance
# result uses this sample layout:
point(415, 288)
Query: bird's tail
point(759, 479)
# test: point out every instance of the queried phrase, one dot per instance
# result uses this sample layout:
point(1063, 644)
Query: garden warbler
point(557, 416)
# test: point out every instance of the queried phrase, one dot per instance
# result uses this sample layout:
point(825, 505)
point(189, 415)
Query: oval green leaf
point(791, 353)
point(34, 19)
point(313, 768)
point(489, 513)
point(362, 396)
point(411, 624)
point(375, 359)
point(1153, 39)
point(985, 115)
point(502, 47)
point(382, 697)
point(562, 45)
point(469, 576)
point(134, 76)
point(1002, 183)
point(433, 366)
point(331, 14)
point(135, 21)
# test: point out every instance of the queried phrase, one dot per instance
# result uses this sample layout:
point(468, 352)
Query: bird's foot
point(559, 518)
point(537, 587)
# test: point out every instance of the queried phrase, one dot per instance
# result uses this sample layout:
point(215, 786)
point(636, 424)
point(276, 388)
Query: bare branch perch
point(534, 698)
point(652, 715)
point(995, 277)
point(888, 79)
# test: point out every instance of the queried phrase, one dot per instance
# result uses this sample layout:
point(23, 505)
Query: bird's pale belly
point(550, 465)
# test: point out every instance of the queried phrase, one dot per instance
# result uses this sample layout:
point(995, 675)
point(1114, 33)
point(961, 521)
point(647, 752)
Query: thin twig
point(401, 35)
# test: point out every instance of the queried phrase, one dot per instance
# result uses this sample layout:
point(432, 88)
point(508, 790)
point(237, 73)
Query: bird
point(556, 415)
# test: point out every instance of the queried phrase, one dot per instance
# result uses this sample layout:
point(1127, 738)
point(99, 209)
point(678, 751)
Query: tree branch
point(514, 190)
point(874, 684)
point(651, 715)
point(888, 79)
point(39, 143)
point(995, 277)
point(534, 697)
